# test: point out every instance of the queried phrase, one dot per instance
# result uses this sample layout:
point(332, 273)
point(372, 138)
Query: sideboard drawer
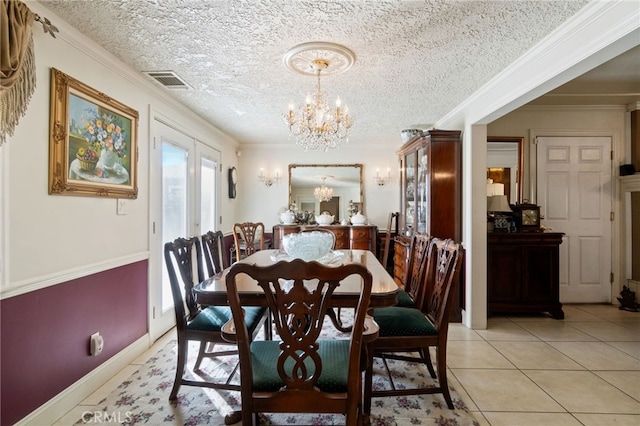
point(363, 238)
point(400, 260)
point(342, 238)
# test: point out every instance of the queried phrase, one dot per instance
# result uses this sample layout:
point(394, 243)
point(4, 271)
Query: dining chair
point(212, 246)
point(324, 231)
point(246, 236)
point(301, 372)
point(405, 330)
point(412, 287)
point(335, 314)
point(384, 255)
point(197, 323)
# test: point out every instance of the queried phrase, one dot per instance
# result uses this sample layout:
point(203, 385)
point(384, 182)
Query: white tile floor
point(526, 370)
point(534, 370)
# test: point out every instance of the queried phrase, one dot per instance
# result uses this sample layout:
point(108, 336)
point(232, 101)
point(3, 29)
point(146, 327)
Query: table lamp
point(498, 208)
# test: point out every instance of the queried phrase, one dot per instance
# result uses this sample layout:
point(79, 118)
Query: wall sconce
point(267, 180)
point(382, 180)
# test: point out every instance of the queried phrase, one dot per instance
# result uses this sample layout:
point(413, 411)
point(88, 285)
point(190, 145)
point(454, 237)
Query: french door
point(185, 202)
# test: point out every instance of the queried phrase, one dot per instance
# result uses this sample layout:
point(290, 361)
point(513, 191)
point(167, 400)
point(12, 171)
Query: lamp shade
point(494, 188)
point(498, 203)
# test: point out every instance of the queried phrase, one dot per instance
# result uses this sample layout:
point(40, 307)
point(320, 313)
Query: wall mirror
point(344, 179)
point(505, 164)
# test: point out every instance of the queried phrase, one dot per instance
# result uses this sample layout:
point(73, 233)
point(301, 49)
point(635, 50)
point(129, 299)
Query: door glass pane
point(207, 195)
point(175, 174)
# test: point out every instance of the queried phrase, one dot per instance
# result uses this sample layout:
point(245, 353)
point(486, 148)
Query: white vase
point(108, 158)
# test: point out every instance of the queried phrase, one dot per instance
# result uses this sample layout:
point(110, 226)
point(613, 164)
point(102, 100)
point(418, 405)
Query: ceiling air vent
point(168, 79)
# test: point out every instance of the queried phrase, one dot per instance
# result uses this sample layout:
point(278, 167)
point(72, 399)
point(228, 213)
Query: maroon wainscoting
point(44, 345)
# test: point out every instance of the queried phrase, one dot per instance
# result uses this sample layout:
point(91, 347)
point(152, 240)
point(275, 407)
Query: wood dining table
point(213, 290)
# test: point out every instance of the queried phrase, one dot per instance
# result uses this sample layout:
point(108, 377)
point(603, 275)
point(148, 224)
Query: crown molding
point(575, 107)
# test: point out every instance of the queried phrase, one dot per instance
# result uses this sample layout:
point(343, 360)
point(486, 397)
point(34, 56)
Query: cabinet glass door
point(422, 189)
point(410, 193)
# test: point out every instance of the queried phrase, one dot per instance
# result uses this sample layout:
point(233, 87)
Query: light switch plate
point(123, 206)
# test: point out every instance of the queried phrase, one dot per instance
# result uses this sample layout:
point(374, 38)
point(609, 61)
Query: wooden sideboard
point(355, 237)
point(523, 272)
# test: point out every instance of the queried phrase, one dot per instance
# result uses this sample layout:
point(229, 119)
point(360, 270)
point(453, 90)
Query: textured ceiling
point(415, 60)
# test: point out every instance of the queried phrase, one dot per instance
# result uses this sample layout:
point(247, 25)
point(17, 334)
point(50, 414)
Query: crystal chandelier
point(323, 192)
point(317, 125)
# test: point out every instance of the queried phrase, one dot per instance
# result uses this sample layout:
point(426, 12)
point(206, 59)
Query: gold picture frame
point(93, 142)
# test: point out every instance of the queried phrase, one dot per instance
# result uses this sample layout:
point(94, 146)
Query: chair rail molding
point(40, 282)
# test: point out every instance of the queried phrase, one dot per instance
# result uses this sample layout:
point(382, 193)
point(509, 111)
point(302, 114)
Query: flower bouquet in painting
point(106, 140)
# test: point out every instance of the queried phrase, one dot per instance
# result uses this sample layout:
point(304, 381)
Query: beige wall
point(565, 121)
point(257, 202)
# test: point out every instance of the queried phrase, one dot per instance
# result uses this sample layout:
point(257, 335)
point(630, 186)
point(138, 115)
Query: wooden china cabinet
point(430, 196)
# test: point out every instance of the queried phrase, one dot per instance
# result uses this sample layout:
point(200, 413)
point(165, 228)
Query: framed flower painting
point(93, 146)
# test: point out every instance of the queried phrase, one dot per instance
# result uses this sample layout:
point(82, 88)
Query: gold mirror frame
point(314, 171)
point(495, 171)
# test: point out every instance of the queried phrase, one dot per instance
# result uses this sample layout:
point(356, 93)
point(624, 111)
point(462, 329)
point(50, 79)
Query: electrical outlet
point(123, 206)
point(96, 344)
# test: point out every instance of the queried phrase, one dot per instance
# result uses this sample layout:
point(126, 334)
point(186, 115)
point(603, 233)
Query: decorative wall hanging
point(17, 62)
point(17, 65)
point(93, 147)
point(233, 182)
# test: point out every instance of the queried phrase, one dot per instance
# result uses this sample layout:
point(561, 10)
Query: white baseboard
point(59, 405)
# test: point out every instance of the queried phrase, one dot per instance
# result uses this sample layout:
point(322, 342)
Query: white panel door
point(575, 196)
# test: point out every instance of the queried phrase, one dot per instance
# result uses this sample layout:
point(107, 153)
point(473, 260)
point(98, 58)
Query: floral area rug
point(144, 397)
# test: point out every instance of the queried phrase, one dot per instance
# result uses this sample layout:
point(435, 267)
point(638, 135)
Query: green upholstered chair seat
point(335, 364)
point(212, 318)
point(404, 300)
point(403, 321)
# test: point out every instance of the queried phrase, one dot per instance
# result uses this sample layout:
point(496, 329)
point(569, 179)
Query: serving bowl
point(308, 245)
